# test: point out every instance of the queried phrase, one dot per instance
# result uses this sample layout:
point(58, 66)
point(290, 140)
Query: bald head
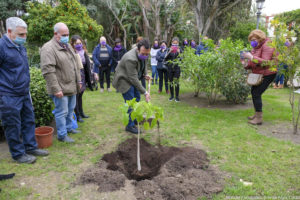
point(60, 27)
point(61, 30)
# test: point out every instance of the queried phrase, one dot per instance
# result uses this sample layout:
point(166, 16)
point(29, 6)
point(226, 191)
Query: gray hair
point(13, 22)
point(58, 26)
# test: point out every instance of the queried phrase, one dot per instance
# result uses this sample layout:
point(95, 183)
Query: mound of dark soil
point(167, 172)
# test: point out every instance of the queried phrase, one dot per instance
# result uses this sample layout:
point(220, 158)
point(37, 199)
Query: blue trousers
point(16, 113)
point(154, 72)
point(129, 95)
point(63, 113)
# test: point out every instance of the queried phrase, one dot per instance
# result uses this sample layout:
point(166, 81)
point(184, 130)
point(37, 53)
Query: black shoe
point(6, 176)
point(38, 152)
point(26, 159)
point(177, 99)
point(83, 115)
point(79, 119)
point(73, 131)
point(171, 98)
point(132, 129)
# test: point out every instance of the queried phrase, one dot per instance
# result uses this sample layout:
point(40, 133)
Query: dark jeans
point(163, 77)
point(257, 91)
point(18, 121)
point(78, 107)
point(143, 81)
point(279, 79)
point(104, 70)
point(173, 75)
point(129, 95)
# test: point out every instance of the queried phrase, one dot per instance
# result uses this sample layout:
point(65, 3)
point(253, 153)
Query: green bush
point(42, 103)
point(217, 71)
point(232, 81)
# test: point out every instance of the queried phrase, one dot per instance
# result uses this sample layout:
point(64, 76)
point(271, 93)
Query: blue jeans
point(63, 113)
point(129, 95)
point(154, 72)
point(16, 113)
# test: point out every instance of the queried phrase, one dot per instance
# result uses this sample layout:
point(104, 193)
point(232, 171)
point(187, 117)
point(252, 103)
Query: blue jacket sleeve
point(160, 56)
point(110, 55)
point(95, 59)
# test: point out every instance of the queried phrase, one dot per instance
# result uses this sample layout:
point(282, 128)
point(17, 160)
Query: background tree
point(213, 16)
point(8, 8)
point(42, 17)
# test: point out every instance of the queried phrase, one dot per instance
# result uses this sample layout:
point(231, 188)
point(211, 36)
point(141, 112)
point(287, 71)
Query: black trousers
point(104, 71)
point(78, 107)
point(173, 75)
point(257, 91)
point(163, 78)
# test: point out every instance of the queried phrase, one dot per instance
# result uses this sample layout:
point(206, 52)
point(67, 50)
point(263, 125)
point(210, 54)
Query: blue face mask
point(20, 40)
point(64, 39)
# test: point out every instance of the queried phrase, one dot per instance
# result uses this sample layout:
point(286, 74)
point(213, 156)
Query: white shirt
point(153, 53)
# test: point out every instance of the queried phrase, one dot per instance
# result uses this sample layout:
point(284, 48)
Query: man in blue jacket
point(16, 110)
point(102, 57)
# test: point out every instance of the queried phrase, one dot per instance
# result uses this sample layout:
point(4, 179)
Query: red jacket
point(261, 53)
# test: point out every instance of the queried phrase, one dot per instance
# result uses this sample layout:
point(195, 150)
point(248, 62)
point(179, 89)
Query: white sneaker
point(101, 90)
point(108, 90)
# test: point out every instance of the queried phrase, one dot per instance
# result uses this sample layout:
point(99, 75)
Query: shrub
point(217, 71)
point(42, 103)
point(232, 81)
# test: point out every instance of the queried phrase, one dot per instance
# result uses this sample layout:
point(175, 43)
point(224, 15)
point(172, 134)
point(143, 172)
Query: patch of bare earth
point(221, 103)
point(282, 131)
point(167, 172)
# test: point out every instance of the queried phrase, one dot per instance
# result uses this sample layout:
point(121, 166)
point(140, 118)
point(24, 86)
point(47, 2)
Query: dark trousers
point(163, 77)
point(173, 75)
point(18, 121)
point(129, 95)
point(104, 71)
point(257, 91)
point(78, 107)
point(143, 81)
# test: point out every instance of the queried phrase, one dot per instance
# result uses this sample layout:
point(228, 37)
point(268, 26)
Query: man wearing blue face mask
point(62, 74)
point(16, 110)
point(131, 69)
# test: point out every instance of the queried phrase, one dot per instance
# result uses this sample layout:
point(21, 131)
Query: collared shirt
point(17, 46)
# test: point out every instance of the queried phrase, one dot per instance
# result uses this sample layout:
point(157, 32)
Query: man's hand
point(80, 85)
point(59, 94)
point(148, 78)
point(147, 97)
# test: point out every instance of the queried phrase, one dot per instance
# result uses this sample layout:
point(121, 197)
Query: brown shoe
point(257, 120)
point(252, 117)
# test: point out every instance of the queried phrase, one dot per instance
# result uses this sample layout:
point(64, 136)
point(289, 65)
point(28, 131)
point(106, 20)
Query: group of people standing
point(66, 68)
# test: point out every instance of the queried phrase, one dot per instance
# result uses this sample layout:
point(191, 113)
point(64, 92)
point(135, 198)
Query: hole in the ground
point(152, 159)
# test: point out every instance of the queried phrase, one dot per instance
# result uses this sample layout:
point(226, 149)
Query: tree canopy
point(42, 17)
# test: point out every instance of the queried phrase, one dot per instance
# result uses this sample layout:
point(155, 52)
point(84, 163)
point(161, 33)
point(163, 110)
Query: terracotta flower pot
point(43, 136)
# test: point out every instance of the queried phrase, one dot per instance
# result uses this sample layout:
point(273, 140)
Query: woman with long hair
point(79, 47)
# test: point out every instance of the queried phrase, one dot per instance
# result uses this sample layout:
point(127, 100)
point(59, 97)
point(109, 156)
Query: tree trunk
point(2, 29)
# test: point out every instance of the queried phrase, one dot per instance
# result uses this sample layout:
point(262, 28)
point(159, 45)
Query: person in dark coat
point(16, 109)
point(79, 47)
point(162, 67)
point(102, 57)
point(117, 53)
point(173, 69)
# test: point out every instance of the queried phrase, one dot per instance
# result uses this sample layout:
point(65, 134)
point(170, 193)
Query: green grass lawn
point(272, 165)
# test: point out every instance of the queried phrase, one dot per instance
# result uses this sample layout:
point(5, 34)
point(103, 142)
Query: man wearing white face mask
point(16, 111)
point(61, 72)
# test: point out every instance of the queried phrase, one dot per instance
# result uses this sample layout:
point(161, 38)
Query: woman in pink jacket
point(257, 59)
